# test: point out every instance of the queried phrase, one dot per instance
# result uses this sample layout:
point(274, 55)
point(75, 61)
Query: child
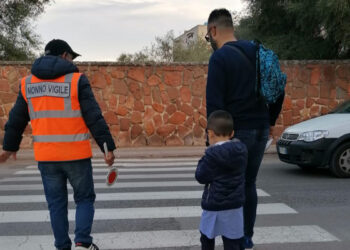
point(222, 170)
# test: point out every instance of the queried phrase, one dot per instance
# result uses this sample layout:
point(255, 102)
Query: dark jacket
point(231, 87)
point(51, 67)
point(222, 170)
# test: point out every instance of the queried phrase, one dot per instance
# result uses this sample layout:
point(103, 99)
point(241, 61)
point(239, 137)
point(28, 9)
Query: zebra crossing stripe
point(135, 213)
point(103, 177)
point(174, 238)
point(292, 234)
point(104, 170)
point(167, 159)
point(117, 185)
point(127, 196)
point(145, 164)
point(110, 196)
point(148, 164)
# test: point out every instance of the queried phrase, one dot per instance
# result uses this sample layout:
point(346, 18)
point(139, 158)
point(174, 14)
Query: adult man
point(231, 87)
point(62, 109)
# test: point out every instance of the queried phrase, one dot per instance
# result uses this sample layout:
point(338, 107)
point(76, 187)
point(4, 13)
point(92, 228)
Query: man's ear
point(232, 134)
point(214, 31)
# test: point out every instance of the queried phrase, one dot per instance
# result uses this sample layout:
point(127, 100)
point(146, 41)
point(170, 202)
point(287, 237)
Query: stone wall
point(165, 104)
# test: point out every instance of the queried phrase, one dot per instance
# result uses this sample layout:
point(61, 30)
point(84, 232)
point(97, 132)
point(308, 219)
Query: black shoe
point(248, 243)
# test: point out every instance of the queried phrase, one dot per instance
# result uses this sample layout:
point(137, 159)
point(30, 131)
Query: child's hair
point(221, 123)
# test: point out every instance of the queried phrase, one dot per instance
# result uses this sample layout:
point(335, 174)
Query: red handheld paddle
point(113, 172)
point(112, 176)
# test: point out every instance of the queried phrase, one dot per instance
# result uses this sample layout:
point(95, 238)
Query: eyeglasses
point(207, 37)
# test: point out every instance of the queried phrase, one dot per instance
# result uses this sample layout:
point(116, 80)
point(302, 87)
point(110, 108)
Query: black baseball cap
point(57, 47)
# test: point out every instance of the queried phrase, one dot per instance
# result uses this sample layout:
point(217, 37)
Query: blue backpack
point(271, 81)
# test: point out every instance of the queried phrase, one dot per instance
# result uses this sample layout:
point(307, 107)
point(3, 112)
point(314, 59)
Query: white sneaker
point(91, 247)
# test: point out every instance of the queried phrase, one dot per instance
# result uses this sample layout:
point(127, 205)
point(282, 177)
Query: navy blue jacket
point(231, 87)
point(222, 170)
point(51, 67)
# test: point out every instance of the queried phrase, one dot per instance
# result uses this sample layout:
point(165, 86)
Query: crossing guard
point(59, 103)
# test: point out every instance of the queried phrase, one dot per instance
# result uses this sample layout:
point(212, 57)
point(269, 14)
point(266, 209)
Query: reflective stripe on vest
point(59, 130)
point(61, 138)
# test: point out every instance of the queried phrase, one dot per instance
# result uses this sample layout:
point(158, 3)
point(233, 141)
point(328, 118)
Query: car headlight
point(313, 135)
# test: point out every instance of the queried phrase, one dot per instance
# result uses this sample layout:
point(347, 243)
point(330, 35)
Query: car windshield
point(342, 108)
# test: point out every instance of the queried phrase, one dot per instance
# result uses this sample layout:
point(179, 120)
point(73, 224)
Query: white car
point(319, 142)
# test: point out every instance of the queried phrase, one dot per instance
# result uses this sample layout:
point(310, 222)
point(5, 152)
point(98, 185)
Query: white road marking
point(102, 170)
point(173, 238)
point(167, 159)
point(127, 196)
point(135, 213)
point(115, 186)
point(111, 196)
point(137, 164)
point(103, 177)
point(292, 234)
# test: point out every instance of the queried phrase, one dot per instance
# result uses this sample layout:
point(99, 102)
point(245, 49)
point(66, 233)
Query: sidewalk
point(145, 152)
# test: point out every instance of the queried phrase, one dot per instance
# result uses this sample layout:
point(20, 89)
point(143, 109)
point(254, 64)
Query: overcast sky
point(100, 30)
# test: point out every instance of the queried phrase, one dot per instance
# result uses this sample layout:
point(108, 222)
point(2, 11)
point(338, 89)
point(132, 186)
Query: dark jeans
point(54, 177)
point(255, 140)
point(229, 244)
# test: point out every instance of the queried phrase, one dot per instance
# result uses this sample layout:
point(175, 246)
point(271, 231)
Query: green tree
point(198, 51)
point(167, 49)
point(138, 57)
point(18, 41)
point(297, 29)
point(162, 49)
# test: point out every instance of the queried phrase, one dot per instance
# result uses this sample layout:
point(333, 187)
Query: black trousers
point(229, 244)
point(255, 140)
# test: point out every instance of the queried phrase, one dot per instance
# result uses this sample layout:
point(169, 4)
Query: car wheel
point(340, 161)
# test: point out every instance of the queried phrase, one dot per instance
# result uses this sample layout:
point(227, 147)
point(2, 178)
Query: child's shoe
point(84, 246)
point(248, 243)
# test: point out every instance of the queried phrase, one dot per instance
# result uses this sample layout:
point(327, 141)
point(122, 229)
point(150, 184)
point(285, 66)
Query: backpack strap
point(258, 76)
point(243, 55)
point(246, 59)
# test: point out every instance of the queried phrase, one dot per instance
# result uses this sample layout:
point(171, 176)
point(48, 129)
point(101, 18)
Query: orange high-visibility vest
point(59, 130)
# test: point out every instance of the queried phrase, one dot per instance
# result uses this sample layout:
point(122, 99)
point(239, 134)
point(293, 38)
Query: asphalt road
point(318, 199)
point(317, 196)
